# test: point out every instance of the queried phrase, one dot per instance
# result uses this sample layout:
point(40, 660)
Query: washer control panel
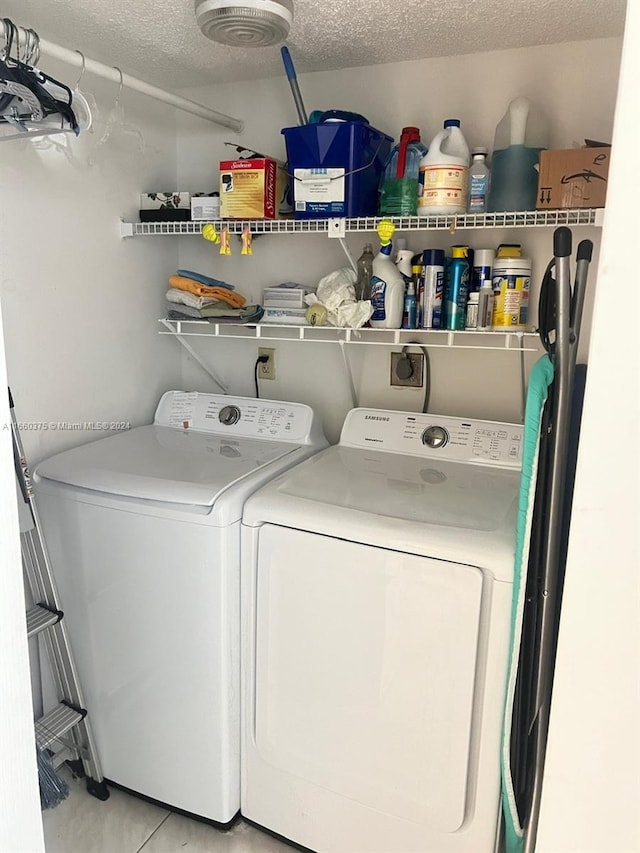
point(435, 436)
point(235, 416)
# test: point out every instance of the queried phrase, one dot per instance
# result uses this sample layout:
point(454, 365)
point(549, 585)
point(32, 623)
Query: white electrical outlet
point(267, 369)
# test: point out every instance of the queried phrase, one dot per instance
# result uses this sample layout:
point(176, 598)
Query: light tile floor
point(126, 824)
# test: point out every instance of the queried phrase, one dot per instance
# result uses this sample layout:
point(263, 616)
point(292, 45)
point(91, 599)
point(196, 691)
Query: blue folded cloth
point(205, 279)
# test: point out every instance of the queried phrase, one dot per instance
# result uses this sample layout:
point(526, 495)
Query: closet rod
point(73, 57)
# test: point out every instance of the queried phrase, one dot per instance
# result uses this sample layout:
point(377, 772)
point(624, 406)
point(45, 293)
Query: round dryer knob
point(229, 415)
point(435, 437)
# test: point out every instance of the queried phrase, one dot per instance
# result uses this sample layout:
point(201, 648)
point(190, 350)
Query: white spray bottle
point(387, 283)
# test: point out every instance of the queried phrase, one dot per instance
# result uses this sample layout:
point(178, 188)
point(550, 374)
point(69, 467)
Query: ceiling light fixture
point(245, 23)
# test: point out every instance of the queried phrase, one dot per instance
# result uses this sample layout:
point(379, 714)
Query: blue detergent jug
point(399, 188)
point(520, 136)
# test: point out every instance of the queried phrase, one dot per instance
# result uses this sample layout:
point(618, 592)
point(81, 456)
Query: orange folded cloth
point(235, 300)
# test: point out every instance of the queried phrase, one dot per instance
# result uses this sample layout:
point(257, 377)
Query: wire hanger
point(83, 108)
point(116, 121)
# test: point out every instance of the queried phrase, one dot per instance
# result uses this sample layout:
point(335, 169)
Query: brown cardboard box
point(573, 177)
point(248, 189)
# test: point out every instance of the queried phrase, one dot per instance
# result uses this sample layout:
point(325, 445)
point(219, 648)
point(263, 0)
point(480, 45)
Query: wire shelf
point(515, 341)
point(517, 219)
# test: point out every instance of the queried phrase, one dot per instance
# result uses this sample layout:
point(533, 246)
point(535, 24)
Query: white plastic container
point(403, 258)
point(444, 173)
point(387, 292)
point(511, 282)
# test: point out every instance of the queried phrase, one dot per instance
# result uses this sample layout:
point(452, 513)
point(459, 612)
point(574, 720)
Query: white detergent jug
point(444, 172)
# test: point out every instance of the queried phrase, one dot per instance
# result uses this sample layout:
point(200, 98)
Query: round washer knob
point(435, 437)
point(229, 415)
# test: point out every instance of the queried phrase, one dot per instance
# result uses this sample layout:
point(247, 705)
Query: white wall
point(575, 83)
point(80, 304)
point(591, 786)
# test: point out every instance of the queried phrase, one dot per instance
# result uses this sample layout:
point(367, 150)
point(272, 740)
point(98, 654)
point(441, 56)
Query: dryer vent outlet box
point(407, 369)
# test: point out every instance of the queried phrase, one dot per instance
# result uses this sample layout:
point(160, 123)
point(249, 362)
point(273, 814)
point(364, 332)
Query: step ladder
point(64, 731)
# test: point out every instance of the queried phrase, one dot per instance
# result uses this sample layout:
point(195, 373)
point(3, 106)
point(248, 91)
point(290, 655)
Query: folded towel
point(191, 286)
point(218, 309)
point(186, 311)
point(248, 314)
point(205, 279)
point(183, 297)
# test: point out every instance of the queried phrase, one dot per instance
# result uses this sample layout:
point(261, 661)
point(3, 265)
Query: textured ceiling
point(159, 41)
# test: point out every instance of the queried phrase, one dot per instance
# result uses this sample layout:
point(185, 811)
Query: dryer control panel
point(237, 416)
point(435, 436)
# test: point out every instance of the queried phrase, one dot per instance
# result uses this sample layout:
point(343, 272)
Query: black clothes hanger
point(30, 96)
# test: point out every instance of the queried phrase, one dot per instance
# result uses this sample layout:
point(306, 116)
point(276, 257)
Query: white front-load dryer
point(143, 533)
point(376, 602)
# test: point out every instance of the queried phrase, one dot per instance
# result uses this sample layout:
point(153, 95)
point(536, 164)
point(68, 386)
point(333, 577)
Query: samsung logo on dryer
point(376, 418)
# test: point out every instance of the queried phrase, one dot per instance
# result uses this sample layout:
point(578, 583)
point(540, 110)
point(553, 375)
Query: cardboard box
point(573, 177)
point(248, 189)
point(205, 207)
point(165, 206)
point(164, 201)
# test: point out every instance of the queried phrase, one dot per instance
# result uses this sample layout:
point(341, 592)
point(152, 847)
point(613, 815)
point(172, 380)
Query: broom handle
point(293, 82)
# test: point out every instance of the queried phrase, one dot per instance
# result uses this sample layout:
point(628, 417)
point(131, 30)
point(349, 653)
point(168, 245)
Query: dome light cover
point(245, 23)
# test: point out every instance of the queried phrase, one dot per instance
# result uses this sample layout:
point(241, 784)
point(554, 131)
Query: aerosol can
point(457, 289)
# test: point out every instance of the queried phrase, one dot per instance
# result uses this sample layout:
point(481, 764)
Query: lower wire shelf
point(520, 341)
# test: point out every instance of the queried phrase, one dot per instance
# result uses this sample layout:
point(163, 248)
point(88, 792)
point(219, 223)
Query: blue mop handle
point(293, 82)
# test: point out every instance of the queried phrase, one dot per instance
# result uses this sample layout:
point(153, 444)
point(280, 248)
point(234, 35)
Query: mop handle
point(562, 243)
point(293, 82)
point(585, 251)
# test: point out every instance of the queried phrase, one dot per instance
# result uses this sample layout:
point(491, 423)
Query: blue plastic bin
point(354, 146)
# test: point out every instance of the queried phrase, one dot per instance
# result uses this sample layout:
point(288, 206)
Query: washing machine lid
point(453, 511)
point(157, 463)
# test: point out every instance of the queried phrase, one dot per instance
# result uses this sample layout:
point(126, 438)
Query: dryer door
point(366, 672)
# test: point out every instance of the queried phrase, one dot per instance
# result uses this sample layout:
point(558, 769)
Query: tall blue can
point(457, 289)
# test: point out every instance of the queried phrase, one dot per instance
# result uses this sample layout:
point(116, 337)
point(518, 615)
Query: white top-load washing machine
point(376, 601)
point(143, 532)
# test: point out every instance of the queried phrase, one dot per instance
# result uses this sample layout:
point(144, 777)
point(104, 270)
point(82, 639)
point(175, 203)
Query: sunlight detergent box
point(573, 177)
point(248, 189)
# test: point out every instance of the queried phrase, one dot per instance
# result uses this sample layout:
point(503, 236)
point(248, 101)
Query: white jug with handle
point(520, 136)
point(444, 173)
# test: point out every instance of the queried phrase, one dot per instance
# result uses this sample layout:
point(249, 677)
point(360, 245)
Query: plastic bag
point(336, 291)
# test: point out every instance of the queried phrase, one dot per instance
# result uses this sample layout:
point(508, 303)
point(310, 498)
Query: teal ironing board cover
point(537, 392)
